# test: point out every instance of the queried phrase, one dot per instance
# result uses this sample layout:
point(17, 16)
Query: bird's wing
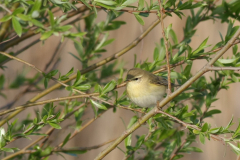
point(158, 80)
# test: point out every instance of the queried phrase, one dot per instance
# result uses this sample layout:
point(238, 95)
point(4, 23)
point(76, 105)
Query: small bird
point(144, 88)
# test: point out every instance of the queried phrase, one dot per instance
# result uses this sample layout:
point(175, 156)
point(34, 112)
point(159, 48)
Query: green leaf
point(2, 139)
point(46, 35)
point(237, 130)
point(17, 26)
point(140, 4)
point(132, 121)
point(229, 123)
point(173, 36)
point(84, 2)
point(205, 127)
point(114, 25)
point(178, 157)
point(75, 56)
point(6, 18)
point(128, 140)
point(214, 130)
point(235, 148)
point(191, 149)
point(64, 28)
point(139, 19)
point(7, 149)
point(107, 2)
point(227, 61)
point(66, 139)
point(2, 81)
point(55, 125)
point(107, 42)
point(37, 23)
point(70, 72)
point(98, 105)
point(18, 10)
point(196, 131)
point(156, 54)
point(83, 87)
point(211, 112)
point(128, 2)
point(235, 49)
point(52, 73)
point(109, 87)
point(46, 82)
point(140, 141)
point(202, 138)
point(37, 5)
point(201, 47)
point(23, 17)
point(51, 18)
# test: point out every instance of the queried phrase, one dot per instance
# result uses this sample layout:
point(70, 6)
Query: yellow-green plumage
point(144, 88)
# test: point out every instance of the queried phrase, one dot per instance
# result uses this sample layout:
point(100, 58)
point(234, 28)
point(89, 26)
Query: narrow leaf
point(98, 105)
point(17, 26)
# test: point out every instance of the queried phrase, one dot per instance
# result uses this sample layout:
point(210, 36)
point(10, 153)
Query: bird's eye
point(135, 79)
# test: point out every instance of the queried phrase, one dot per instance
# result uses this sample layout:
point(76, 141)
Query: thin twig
point(82, 128)
point(85, 148)
point(215, 137)
point(31, 33)
point(5, 8)
point(21, 50)
point(45, 102)
point(61, 150)
point(223, 68)
point(121, 10)
point(178, 149)
point(166, 46)
point(27, 90)
point(54, 54)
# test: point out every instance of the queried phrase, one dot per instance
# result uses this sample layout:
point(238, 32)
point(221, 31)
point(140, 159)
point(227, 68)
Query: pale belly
point(146, 97)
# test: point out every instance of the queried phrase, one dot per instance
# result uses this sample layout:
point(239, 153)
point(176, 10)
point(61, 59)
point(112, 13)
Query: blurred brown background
point(110, 125)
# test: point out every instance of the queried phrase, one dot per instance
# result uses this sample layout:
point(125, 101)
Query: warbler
point(144, 88)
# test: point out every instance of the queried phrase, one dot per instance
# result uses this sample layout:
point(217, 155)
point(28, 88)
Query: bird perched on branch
point(144, 88)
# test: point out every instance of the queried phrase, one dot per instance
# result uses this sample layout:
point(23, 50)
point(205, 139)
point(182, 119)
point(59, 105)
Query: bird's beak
point(127, 80)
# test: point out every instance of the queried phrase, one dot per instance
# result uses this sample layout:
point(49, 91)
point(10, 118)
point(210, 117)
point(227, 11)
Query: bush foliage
point(22, 19)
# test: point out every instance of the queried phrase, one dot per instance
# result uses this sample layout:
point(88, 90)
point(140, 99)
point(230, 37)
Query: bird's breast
point(145, 95)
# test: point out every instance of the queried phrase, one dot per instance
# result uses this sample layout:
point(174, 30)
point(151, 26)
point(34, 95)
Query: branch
point(223, 68)
point(5, 8)
point(166, 46)
point(179, 148)
point(38, 40)
point(155, 110)
point(121, 10)
point(31, 33)
point(60, 150)
point(92, 67)
point(49, 132)
point(189, 125)
point(22, 151)
point(46, 101)
point(27, 90)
